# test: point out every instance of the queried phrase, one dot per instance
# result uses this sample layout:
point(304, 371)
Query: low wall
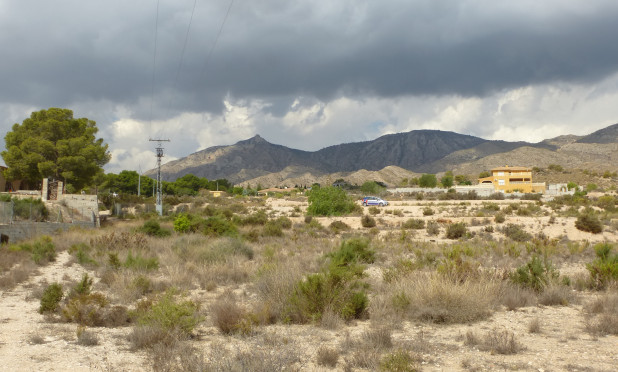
point(25, 230)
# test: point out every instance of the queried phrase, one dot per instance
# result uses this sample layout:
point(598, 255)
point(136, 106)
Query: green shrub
point(414, 223)
point(51, 298)
point(372, 187)
point(374, 211)
point(433, 228)
point(83, 287)
point(604, 268)
point(516, 233)
point(138, 262)
point(368, 221)
point(272, 228)
point(329, 201)
point(352, 251)
point(42, 250)
point(536, 274)
point(86, 309)
point(284, 222)
point(153, 228)
point(169, 314)
point(399, 361)
point(217, 226)
point(589, 223)
point(82, 254)
point(499, 217)
point(456, 230)
point(182, 223)
point(427, 211)
point(257, 218)
point(338, 226)
point(337, 288)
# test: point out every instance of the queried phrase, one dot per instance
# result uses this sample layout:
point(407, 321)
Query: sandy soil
point(29, 342)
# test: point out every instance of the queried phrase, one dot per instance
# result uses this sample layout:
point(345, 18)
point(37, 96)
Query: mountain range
point(256, 160)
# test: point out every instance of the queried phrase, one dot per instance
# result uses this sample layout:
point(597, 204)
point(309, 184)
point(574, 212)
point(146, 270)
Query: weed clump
point(368, 221)
point(42, 250)
point(153, 228)
point(516, 233)
point(604, 268)
point(535, 274)
point(337, 288)
point(414, 223)
point(168, 314)
point(589, 223)
point(456, 230)
point(51, 298)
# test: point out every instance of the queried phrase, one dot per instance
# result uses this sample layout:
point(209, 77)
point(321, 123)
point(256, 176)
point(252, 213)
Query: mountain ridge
point(417, 151)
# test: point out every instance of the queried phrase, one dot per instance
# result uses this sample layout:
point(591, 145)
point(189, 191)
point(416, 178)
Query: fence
point(29, 210)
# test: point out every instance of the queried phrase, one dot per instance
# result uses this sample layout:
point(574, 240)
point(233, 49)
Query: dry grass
point(327, 356)
point(602, 314)
point(495, 341)
point(434, 298)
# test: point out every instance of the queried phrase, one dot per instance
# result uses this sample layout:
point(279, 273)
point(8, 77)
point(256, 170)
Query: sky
point(308, 74)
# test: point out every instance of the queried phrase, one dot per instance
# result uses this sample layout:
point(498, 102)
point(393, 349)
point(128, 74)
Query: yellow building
point(513, 179)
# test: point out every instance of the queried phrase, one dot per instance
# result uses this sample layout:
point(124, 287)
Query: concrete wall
point(25, 230)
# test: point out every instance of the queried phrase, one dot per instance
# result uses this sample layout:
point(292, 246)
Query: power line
point(154, 66)
point(217, 38)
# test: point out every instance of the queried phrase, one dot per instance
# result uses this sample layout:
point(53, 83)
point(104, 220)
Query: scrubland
point(255, 284)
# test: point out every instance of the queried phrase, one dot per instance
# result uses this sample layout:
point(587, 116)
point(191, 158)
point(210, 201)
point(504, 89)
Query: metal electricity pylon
point(159, 199)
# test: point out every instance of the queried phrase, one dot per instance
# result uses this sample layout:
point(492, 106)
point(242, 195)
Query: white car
point(374, 200)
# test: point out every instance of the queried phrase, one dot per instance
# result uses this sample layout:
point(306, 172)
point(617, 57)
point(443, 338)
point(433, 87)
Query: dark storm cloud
point(63, 52)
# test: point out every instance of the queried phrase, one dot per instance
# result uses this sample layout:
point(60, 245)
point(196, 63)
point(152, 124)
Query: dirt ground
point(30, 342)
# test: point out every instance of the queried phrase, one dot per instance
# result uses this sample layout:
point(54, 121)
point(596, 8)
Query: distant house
point(513, 179)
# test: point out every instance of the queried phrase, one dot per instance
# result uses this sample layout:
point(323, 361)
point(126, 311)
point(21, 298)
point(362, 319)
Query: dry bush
point(18, 274)
point(86, 337)
point(36, 339)
point(255, 359)
point(434, 298)
point(331, 320)
point(400, 361)
point(495, 341)
point(602, 314)
point(378, 338)
point(229, 317)
point(534, 326)
point(275, 284)
point(514, 296)
point(145, 336)
point(327, 356)
point(94, 310)
point(176, 356)
point(557, 295)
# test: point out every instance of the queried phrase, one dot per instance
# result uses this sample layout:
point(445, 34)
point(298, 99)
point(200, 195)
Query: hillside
point(256, 160)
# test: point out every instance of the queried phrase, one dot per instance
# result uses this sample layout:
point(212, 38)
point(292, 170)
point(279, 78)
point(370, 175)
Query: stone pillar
point(44, 189)
point(60, 187)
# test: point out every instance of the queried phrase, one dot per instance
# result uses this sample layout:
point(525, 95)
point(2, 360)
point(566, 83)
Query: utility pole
point(159, 148)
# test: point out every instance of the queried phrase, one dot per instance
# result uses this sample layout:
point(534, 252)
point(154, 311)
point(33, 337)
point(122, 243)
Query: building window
point(500, 174)
point(501, 182)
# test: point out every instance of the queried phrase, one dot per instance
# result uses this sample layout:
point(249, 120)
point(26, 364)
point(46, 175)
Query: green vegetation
point(51, 298)
point(428, 180)
point(589, 222)
point(42, 250)
point(604, 268)
point(51, 143)
point(153, 228)
point(536, 274)
point(329, 201)
point(372, 187)
point(337, 288)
